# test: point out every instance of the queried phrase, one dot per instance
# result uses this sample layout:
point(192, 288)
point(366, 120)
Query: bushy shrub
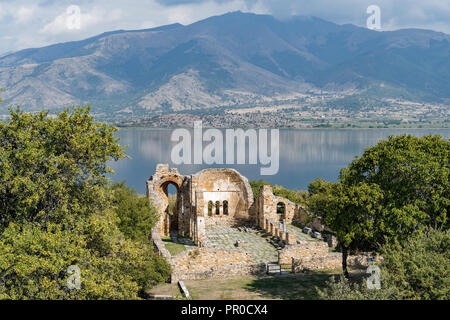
point(296, 196)
point(136, 215)
point(417, 269)
point(57, 210)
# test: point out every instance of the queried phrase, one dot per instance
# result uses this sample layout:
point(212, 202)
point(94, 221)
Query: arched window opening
point(210, 207)
point(217, 208)
point(281, 208)
point(225, 207)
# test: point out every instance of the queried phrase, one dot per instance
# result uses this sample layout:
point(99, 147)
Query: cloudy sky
point(36, 23)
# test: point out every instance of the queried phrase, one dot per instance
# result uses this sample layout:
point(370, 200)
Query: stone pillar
point(265, 205)
point(284, 226)
point(201, 233)
point(275, 232)
point(283, 235)
point(290, 238)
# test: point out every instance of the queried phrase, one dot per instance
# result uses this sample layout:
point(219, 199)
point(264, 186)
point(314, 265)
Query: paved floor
point(225, 237)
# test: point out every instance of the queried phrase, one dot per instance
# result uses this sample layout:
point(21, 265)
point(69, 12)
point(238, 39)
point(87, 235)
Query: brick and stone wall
point(159, 246)
point(202, 263)
point(266, 207)
point(220, 185)
point(302, 249)
point(329, 261)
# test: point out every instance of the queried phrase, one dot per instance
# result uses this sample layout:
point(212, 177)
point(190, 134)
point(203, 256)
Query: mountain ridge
point(225, 60)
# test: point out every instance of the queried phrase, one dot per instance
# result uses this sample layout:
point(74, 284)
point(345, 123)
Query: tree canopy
point(57, 210)
point(416, 268)
point(398, 187)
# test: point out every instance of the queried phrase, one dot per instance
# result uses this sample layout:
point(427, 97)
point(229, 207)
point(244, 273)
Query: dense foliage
point(296, 196)
point(57, 210)
point(137, 216)
point(398, 187)
point(417, 269)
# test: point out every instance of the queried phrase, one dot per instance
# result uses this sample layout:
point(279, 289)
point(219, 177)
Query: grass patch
point(172, 247)
point(285, 287)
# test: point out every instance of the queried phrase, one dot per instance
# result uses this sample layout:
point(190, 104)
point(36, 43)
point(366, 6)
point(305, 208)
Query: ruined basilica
point(226, 231)
point(214, 196)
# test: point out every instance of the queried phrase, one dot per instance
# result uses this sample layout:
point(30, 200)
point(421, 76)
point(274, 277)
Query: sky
point(36, 23)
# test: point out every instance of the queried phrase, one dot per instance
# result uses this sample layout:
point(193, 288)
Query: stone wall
point(157, 193)
point(220, 185)
point(202, 263)
point(302, 249)
point(266, 208)
point(330, 261)
point(159, 246)
point(226, 187)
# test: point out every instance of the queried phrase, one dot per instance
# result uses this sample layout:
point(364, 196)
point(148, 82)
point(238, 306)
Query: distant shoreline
point(287, 128)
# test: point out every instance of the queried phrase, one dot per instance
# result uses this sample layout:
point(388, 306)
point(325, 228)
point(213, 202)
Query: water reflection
point(304, 154)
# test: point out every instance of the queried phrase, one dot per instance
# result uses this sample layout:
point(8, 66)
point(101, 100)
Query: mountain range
point(233, 59)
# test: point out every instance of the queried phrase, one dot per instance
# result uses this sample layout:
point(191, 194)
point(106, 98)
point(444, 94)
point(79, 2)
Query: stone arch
point(223, 184)
point(157, 191)
point(217, 208)
point(171, 218)
point(281, 208)
point(225, 207)
point(210, 208)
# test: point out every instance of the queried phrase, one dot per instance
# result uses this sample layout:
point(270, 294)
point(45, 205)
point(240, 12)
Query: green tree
point(296, 196)
point(57, 210)
point(397, 187)
point(137, 216)
point(52, 169)
point(420, 266)
point(417, 269)
point(413, 174)
point(353, 212)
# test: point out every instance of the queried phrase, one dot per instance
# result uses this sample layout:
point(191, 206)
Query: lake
point(304, 154)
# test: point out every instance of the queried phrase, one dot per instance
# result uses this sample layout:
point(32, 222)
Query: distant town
point(316, 111)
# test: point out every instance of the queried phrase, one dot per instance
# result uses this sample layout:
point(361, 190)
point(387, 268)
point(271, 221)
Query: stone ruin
point(224, 196)
point(209, 196)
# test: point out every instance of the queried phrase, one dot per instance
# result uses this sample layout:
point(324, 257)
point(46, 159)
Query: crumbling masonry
point(223, 197)
point(214, 196)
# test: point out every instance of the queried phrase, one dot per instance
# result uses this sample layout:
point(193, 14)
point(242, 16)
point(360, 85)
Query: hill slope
point(227, 60)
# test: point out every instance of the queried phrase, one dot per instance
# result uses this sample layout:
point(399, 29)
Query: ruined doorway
point(172, 192)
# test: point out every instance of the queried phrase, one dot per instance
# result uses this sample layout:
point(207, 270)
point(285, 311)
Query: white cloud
point(97, 16)
point(24, 14)
point(31, 23)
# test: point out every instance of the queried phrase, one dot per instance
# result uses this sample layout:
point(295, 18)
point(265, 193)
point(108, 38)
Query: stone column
point(290, 238)
point(275, 232)
point(201, 232)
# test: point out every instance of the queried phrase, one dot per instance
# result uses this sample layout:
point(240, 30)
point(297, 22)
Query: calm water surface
point(304, 154)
